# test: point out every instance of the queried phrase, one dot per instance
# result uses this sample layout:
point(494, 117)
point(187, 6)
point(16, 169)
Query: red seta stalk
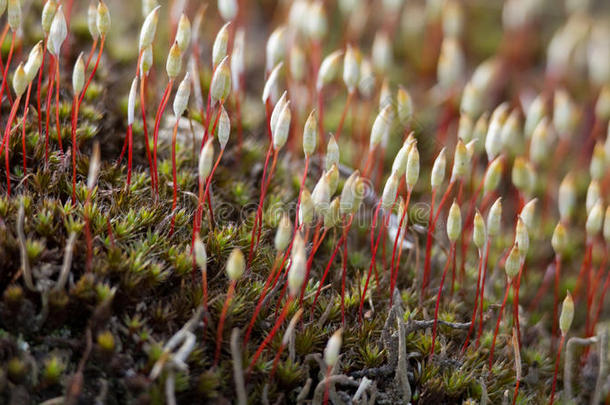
point(57, 122)
point(330, 261)
point(431, 228)
point(39, 88)
point(516, 302)
point(473, 318)
point(91, 52)
point(261, 299)
point(561, 343)
point(493, 343)
point(440, 291)
point(74, 121)
point(174, 177)
point(556, 295)
point(221, 321)
point(344, 270)
point(25, 114)
point(399, 233)
point(50, 89)
point(350, 95)
point(145, 127)
point(8, 63)
point(6, 143)
point(97, 63)
point(160, 111)
point(482, 299)
point(272, 333)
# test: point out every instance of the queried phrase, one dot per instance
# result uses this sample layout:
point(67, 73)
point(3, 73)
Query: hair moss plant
point(351, 189)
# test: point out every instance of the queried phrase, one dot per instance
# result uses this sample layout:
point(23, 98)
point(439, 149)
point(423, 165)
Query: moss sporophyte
point(335, 209)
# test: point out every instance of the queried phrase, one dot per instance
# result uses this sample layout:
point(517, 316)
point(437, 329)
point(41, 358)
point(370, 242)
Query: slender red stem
point(482, 299)
point(493, 343)
point(259, 208)
point(431, 229)
point(261, 299)
point(330, 262)
point(8, 63)
point(57, 122)
point(428, 245)
point(145, 127)
point(221, 321)
point(350, 95)
point(74, 121)
point(7, 135)
point(272, 333)
point(50, 89)
point(276, 360)
point(561, 342)
point(556, 295)
point(440, 291)
point(368, 277)
point(160, 111)
point(39, 88)
point(25, 114)
point(327, 385)
point(91, 52)
point(97, 63)
point(264, 195)
point(174, 177)
point(395, 265)
point(473, 318)
point(516, 302)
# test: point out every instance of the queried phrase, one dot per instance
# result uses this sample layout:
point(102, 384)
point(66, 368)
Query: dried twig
point(603, 368)
point(25, 263)
point(238, 372)
point(569, 363)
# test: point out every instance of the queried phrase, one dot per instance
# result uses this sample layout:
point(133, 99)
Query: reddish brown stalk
point(516, 392)
point(330, 262)
point(602, 297)
point(493, 343)
point(239, 124)
point(473, 318)
point(206, 194)
point(264, 195)
point(145, 127)
point(260, 205)
point(327, 385)
point(97, 63)
point(428, 244)
point(276, 360)
point(160, 111)
point(516, 302)
point(372, 265)
point(39, 88)
point(431, 228)
point(57, 122)
point(482, 299)
point(321, 122)
point(272, 333)
point(261, 299)
point(2, 38)
point(583, 268)
point(25, 114)
point(561, 343)
point(92, 51)
point(440, 291)
point(350, 95)
point(74, 121)
point(556, 296)
point(344, 270)
point(50, 89)
point(174, 177)
point(7, 135)
point(8, 63)
point(395, 265)
point(221, 321)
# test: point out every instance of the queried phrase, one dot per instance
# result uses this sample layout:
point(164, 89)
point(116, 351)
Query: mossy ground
point(141, 287)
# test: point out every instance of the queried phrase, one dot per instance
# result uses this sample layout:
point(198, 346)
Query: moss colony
point(308, 202)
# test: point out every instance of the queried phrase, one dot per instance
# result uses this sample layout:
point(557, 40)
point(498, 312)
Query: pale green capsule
point(522, 238)
point(282, 128)
point(201, 257)
point(454, 223)
point(493, 175)
point(149, 28)
point(58, 32)
point(321, 196)
point(333, 215)
point(461, 161)
point(329, 69)
point(14, 15)
point(48, 12)
point(306, 208)
point(332, 153)
point(595, 220)
point(479, 233)
point(332, 175)
point(220, 87)
point(494, 218)
point(559, 240)
point(310, 134)
point(183, 94)
point(333, 348)
point(438, 170)
point(283, 235)
point(298, 266)
point(224, 127)
point(390, 190)
point(173, 66)
point(351, 69)
point(103, 18)
point(20, 82)
point(567, 314)
point(236, 264)
point(513, 262)
point(78, 75)
point(412, 169)
point(206, 159)
point(221, 42)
